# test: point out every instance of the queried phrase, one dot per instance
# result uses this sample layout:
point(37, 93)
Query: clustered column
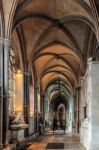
point(78, 108)
point(26, 100)
point(4, 90)
point(35, 109)
point(71, 114)
point(1, 90)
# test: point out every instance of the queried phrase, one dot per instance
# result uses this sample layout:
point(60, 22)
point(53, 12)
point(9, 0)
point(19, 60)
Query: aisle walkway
point(57, 141)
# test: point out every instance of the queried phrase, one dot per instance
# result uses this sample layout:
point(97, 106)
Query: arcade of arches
point(49, 70)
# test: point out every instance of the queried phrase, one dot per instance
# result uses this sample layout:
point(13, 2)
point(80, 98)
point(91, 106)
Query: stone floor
point(57, 141)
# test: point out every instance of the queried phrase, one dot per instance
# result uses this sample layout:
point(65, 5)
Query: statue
point(19, 119)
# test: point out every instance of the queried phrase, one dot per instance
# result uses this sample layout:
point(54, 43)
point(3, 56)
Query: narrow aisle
point(57, 141)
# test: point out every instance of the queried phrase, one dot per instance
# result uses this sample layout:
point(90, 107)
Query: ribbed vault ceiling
point(53, 37)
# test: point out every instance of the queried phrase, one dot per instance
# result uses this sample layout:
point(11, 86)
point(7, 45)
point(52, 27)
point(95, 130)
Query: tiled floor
point(57, 141)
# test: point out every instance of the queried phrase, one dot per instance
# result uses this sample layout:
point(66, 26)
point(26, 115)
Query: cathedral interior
point(49, 74)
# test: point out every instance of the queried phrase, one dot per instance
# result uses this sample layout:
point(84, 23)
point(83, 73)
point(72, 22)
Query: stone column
point(78, 108)
point(35, 109)
point(1, 92)
point(5, 90)
point(42, 109)
point(71, 115)
point(94, 106)
point(42, 104)
point(26, 100)
point(46, 108)
point(90, 126)
point(85, 109)
point(77, 119)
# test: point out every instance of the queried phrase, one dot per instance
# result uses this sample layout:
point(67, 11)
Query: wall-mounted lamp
point(19, 71)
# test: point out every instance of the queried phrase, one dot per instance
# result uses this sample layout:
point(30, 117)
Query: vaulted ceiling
point(55, 38)
point(97, 5)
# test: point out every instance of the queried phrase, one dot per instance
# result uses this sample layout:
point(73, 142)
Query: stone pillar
point(90, 125)
point(35, 109)
point(42, 104)
point(94, 106)
point(42, 109)
point(5, 90)
point(1, 92)
point(46, 108)
point(26, 101)
point(71, 115)
point(78, 108)
point(85, 109)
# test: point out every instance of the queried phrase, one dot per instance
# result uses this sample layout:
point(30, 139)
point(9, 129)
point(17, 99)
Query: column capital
point(6, 42)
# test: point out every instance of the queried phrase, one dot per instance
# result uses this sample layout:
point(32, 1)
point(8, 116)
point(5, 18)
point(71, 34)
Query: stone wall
point(85, 112)
point(90, 125)
point(94, 107)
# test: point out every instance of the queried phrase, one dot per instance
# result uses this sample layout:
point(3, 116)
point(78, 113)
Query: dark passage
point(55, 146)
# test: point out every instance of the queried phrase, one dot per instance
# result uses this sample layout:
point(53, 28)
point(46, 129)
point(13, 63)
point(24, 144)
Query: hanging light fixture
point(59, 86)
